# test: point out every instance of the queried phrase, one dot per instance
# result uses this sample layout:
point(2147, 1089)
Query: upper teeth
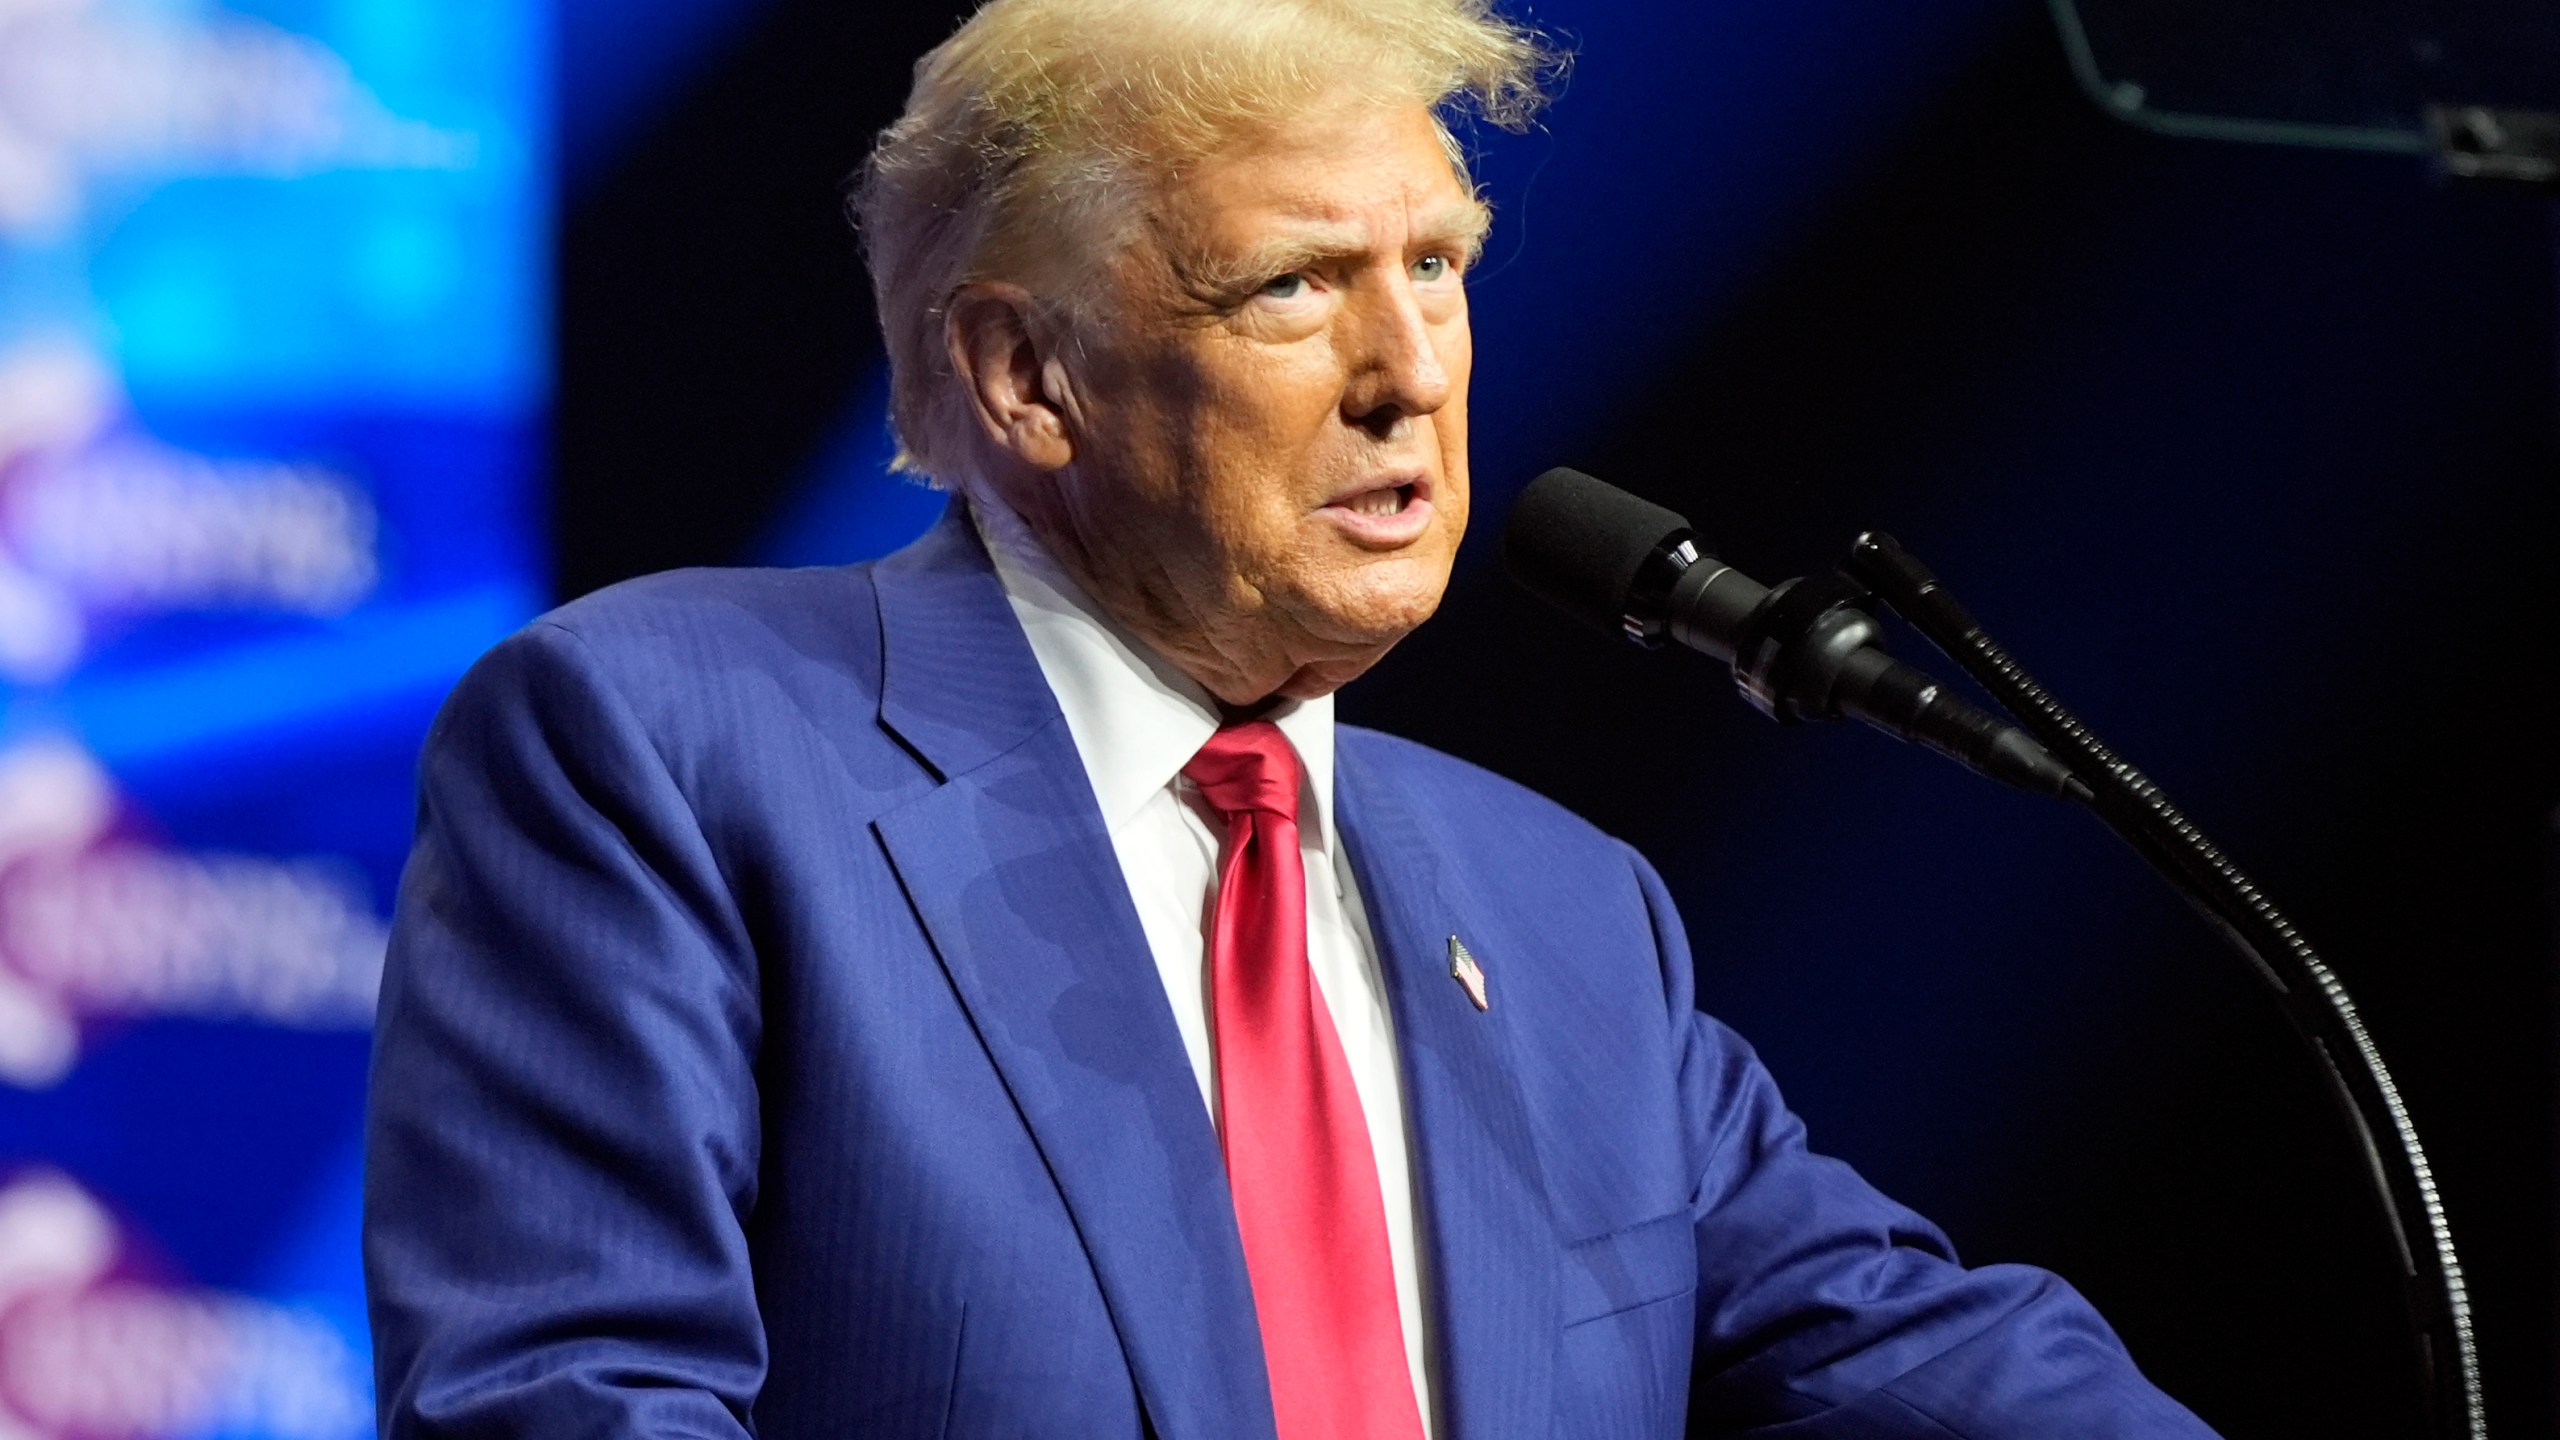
point(1378, 502)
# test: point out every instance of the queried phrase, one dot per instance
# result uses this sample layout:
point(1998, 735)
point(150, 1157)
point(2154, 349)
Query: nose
point(1396, 370)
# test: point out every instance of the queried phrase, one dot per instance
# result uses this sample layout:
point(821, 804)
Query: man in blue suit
point(983, 994)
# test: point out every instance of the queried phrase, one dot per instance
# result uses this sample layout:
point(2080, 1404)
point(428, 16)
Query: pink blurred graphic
point(88, 1354)
point(98, 521)
point(94, 925)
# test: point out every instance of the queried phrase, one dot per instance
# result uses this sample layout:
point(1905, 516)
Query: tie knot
point(1248, 767)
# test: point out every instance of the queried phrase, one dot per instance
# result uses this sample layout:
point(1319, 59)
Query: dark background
point(2250, 453)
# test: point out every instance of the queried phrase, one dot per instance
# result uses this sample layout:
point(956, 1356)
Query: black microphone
point(1806, 649)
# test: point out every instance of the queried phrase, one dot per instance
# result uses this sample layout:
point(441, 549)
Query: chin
point(1356, 636)
point(1383, 602)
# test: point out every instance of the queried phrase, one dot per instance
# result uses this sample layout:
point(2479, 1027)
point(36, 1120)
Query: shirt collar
point(1136, 720)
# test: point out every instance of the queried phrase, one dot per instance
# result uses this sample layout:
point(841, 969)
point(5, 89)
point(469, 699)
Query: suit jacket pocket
point(1638, 1265)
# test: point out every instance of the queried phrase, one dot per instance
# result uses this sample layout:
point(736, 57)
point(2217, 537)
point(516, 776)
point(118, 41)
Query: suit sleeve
point(562, 1128)
point(1826, 1310)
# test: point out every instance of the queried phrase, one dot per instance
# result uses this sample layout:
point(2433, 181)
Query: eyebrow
point(1227, 275)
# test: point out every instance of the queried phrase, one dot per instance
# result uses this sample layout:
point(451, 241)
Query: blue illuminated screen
point(273, 374)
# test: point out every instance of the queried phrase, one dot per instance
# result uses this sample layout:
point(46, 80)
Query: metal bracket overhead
point(2477, 142)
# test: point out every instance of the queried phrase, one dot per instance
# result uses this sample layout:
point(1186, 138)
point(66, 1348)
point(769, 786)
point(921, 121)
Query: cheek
point(1136, 409)
point(1258, 444)
point(1449, 422)
point(1179, 456)
point(1458, 349)
point(1283, 405)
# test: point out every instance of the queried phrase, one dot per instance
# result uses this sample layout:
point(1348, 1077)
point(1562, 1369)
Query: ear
point(1015, 389)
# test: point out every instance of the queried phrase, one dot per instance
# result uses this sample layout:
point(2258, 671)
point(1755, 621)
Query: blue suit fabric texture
point(770, 1046)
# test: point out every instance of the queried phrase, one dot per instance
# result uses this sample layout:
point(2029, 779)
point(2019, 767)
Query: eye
point(1434, 267)
point(1284, 287)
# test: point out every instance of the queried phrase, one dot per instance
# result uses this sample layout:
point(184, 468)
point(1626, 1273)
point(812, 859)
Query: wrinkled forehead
point(1336, 183)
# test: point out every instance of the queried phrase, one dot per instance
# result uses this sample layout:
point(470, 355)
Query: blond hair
point(1029, 132)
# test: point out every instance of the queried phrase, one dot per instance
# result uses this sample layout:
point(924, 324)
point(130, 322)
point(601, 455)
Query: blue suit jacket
point(769, 1044)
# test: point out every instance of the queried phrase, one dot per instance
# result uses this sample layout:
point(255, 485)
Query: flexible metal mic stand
point(2313, 1001)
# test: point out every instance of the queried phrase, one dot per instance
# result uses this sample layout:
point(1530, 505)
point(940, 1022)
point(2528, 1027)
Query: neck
point(1244, 673)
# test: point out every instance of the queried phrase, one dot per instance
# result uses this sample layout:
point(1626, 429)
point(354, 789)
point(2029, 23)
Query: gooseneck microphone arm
point(2313, 1001)
point(1807, 650)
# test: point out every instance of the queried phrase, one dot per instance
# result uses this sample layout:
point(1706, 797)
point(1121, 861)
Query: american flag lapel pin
point(1469, 975)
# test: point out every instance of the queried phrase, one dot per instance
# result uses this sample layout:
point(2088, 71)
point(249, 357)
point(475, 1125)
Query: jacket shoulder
point(703, 614)
point(673, 644)
point(725, 674)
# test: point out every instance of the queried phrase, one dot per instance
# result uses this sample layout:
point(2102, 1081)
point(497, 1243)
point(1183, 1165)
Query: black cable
point(2313, 1001)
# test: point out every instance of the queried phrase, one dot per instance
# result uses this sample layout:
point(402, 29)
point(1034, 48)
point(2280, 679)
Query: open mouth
point(1388, 515)
point(1380, 502)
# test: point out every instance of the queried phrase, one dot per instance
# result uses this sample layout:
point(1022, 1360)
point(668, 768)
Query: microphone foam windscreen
point(1579, 543)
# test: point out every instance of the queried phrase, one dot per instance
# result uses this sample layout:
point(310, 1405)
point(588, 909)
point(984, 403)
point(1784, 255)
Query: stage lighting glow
point(91, 91)
point(273, 378)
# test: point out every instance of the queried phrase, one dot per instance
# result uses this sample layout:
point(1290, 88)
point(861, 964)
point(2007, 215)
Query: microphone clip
point(1647, 620)
point(1796, 646)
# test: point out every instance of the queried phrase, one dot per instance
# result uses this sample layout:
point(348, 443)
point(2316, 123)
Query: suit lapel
point(1487, 1227)
point(1014, 878)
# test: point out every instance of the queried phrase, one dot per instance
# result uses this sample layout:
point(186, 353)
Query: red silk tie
point(1297, 1146)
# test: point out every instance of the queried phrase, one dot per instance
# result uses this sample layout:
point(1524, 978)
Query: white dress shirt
point(1137, 721)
